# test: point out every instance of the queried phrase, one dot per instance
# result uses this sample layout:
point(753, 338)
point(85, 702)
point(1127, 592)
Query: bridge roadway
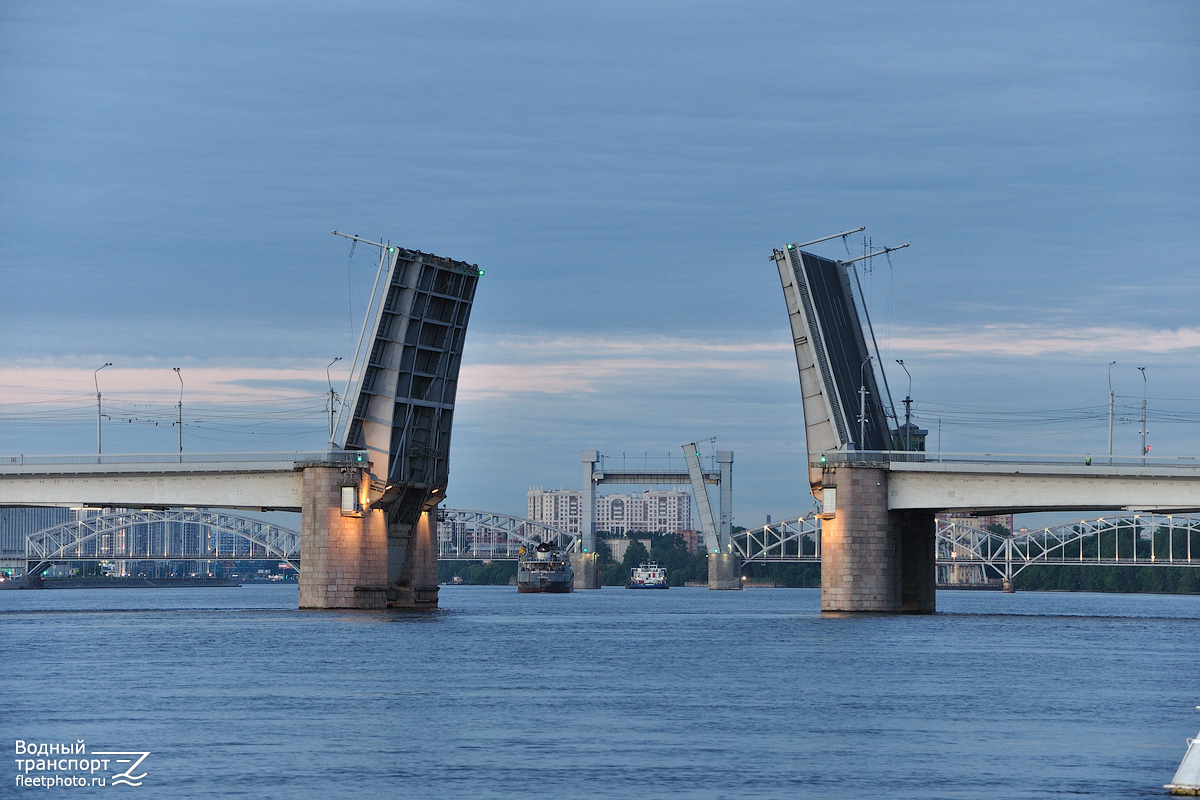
point(243, 481)
point(991, 484)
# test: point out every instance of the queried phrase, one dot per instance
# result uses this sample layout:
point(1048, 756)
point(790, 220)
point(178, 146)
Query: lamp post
point(179, 410)
point(907, 407)
point(862, 404)
point(1110, 411)
point(332, 396)
point(96, 382)
point(1143, 371)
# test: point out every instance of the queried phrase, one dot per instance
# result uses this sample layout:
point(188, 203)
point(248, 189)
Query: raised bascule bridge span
point(878, 495)
point(368, 504)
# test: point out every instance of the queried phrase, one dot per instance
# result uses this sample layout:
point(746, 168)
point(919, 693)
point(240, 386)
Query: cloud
point(1042, 340)
point(532, 365)
point(40, 383)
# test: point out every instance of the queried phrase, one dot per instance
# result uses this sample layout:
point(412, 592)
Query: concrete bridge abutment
point(873, 559)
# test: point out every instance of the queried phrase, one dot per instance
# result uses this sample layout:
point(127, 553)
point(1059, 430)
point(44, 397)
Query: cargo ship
point(648, 576)
point(544, 568)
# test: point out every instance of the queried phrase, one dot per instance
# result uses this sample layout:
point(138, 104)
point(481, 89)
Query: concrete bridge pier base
point(918, 560)
point(724, 571)
point(586, 568)
point(412, 570)
point(872, 559)
point(344, 563)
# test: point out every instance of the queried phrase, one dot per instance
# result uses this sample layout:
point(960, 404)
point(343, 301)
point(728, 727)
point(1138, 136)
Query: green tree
point(635, 554)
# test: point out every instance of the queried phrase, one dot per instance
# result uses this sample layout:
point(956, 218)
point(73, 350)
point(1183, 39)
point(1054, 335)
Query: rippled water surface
point(611, 693)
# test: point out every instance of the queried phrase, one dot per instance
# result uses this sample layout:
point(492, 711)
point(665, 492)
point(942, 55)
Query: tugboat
point(545, 568)
point(648, 576)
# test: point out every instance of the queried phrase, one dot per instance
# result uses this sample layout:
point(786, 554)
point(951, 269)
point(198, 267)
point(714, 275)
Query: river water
point(611, 693)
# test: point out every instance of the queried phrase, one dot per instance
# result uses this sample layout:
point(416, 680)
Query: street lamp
point(862, 403)
point(332, 396)
point(179, 409)
point(907, 407)
point(96, 382)
point(1143, 371)
point(1110, 411)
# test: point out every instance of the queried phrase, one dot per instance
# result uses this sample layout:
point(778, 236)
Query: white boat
point(648, 576)
point(1187, 777)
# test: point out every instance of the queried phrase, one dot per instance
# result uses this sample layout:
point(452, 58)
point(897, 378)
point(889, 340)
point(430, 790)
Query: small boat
point(544, 568)
point(648, 576)
point(1187, 777)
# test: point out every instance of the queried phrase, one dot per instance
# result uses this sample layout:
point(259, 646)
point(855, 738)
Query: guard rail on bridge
point(899, 458)
point(19, 464)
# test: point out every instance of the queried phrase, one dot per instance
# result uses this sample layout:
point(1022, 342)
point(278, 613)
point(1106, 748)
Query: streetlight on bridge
point(1110, 411)
point(96, 382)
point(1143, 371)
point(332, 397)
point(907, 407)
point(179, 408)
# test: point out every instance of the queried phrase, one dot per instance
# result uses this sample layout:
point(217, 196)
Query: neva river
point(611, 693)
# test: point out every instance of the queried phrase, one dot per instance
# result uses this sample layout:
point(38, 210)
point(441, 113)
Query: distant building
point(558, 508)
point(16, 524)
point(692, 540)
point(649, 511)
point(982, 522)
point(617, 547)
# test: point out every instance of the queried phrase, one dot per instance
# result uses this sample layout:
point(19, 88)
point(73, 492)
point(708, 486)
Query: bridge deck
point(1002, 483)
point(251, 481)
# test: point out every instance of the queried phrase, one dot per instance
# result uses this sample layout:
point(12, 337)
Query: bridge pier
point(586, 568)
point(724, 571)
point(345, 555)
point(873, 559)
point(412, 565)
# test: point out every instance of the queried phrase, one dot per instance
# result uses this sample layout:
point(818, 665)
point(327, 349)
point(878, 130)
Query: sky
point(621, 171)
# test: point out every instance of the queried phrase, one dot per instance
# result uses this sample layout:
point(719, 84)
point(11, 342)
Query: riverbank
point(123, 583)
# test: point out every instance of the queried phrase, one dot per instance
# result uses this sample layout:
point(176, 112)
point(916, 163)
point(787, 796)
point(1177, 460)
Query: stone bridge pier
point(873, 559)
point(353, 556)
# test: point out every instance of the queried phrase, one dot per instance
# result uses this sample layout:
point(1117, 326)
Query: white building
point(558, 508)
point(647, 511)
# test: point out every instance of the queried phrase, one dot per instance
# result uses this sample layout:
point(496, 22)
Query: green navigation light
point(791, 247)
point(481, 273)
point(391, 249)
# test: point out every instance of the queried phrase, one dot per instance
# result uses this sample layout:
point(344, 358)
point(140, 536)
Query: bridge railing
point(884, 457)
point(8, 462)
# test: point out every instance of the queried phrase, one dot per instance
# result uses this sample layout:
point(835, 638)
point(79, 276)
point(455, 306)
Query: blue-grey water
point(685, 693)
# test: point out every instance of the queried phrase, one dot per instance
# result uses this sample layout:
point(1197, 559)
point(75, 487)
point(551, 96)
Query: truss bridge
point(968, 555)
point(152, 535)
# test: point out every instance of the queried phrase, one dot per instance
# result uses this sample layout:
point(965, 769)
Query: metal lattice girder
point(159, 535)
point(790, 540)
point(799, 540)
point(1088, 541)
point(484, 535)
